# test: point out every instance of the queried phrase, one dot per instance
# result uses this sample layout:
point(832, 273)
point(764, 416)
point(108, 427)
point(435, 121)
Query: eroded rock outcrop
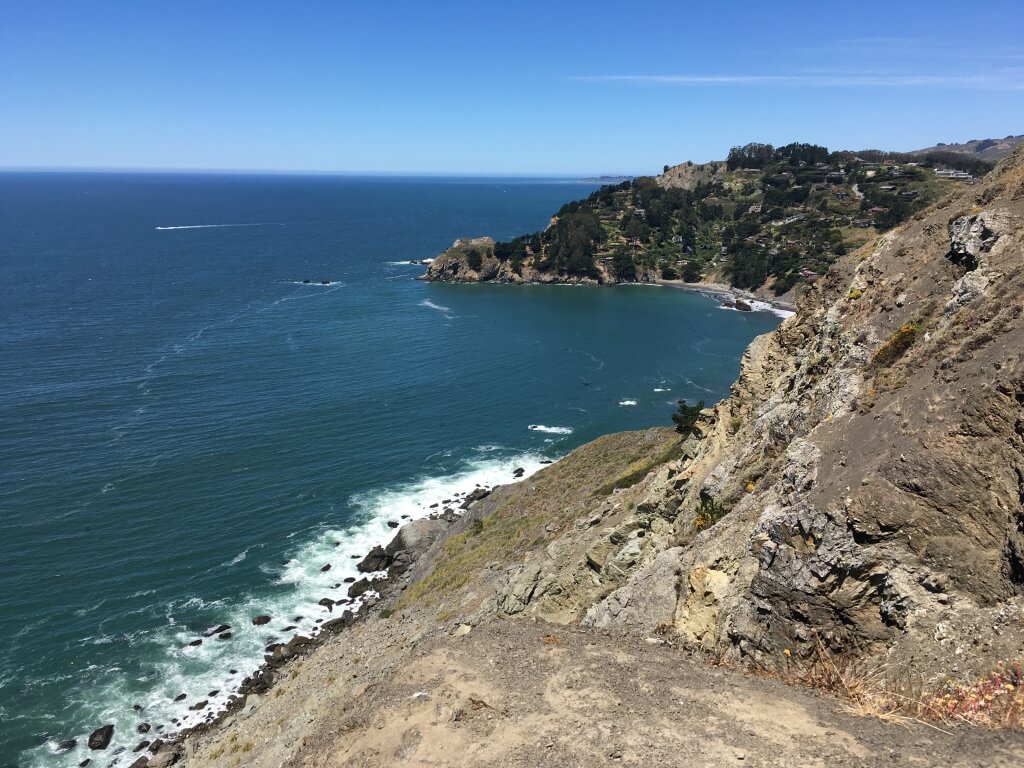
point(870, 459)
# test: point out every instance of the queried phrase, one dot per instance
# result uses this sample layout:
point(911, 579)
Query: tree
point(685, 418)
point(474, 259)
point(623, 266)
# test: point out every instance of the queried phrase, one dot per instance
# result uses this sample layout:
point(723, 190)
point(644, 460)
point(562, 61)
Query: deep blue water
point(180, 414)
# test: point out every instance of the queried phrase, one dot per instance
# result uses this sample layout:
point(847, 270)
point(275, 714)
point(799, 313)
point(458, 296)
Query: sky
point(493, 88)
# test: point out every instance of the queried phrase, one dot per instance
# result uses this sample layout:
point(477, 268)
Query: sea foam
point(292, 599)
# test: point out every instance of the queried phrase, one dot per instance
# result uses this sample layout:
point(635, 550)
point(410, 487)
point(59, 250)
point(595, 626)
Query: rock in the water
point(143, 728)
point(100, 738)
point(393, 523)
point(141, 745)
point(743, 306)
point(180, 697)
point(326, 602)
point(196, 643)
point(325, 568)
point(260, 620)
point(224, 636)
point(211, 631)
point(67, 746)
point(199, 705)
point(376, 560)
point(358, 588)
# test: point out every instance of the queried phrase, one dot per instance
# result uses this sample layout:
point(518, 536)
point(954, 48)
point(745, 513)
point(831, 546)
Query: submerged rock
point(211, 631)
point(261, 619)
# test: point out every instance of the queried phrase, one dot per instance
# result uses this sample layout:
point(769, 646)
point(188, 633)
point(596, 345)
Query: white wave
point(550, 430)
point(764, 306)
point(293, 601)
point(317, 283)
point(411, 262)
point(627, 402)
point(238, 558)
point(661, 389)
point(761, 306)
point(218, 226)
point(446, 311)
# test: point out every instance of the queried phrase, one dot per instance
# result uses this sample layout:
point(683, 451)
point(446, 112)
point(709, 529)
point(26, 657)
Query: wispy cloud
point(1005, 81)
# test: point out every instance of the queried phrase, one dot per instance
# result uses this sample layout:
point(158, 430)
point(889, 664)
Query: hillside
point(991, 150)
point(766, 218)
point(850, 518)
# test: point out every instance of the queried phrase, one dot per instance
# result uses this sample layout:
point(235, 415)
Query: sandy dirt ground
point(522, 693)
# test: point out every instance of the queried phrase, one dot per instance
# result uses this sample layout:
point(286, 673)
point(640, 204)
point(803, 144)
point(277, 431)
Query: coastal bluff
point(473, 260)
point(852, 512)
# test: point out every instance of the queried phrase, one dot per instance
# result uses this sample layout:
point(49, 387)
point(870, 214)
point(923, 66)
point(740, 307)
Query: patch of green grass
point(499, 535)
point(638, 471)
point(557, 494)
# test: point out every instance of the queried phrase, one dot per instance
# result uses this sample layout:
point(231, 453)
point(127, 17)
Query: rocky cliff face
point(870, 459)
point(862, 487)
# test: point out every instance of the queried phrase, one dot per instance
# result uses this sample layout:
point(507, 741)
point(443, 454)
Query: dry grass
point(564, 492)
point(878, 690)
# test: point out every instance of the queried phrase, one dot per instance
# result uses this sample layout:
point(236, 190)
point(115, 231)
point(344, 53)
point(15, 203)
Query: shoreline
point(719, 290)
point(384, 571)
point(723, 293)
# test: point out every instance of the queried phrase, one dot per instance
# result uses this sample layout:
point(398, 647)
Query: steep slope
point(871, 459)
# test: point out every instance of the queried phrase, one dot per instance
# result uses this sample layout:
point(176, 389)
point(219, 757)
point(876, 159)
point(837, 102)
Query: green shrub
point(897, 345)
point(708, 513)
point(685, 417)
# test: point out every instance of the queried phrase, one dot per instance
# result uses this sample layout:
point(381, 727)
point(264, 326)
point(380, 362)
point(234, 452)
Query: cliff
point(871, 460)
point(858, 499)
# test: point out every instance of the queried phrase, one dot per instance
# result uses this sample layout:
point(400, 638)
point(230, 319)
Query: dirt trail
point(523, 693)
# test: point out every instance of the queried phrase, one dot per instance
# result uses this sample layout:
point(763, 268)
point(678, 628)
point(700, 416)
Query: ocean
point(190, 431)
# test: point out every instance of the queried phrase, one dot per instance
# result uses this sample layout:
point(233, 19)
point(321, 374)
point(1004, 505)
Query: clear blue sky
point(476, 87)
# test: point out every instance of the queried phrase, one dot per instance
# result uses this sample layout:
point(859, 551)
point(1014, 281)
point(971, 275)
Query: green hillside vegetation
point(775, 216)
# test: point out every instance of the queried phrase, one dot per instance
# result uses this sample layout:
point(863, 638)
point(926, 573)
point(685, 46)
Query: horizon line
point(309, 172)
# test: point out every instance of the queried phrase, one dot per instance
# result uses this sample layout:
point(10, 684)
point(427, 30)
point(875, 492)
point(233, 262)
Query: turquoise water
point(188, 432)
